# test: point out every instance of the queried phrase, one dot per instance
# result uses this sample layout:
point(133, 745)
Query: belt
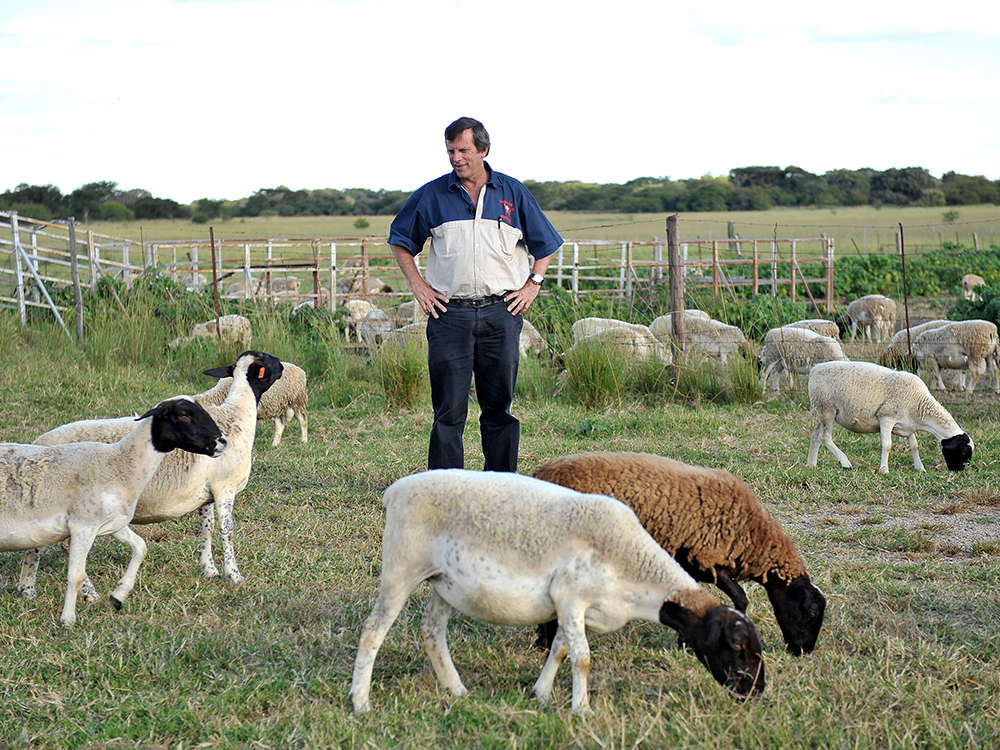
point(478, 301)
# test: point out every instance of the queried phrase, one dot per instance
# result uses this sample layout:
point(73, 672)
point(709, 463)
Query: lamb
point(234, 330)
point(896, 354)
point(84, 490)
point(790, 350)
point(286, 398)
point(875, 314)
point(513, 550)
point(865, 397)
point(712, 524)
point(969, 283)
point(186, 482)
point(357, 310)
point(968, 345)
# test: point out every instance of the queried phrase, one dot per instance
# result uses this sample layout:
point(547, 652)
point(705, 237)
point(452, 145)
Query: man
point(479, 281)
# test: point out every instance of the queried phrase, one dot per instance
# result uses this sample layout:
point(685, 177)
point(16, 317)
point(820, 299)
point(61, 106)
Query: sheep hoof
point(116, 602)
point(29, 593)
point(583, 711)
point(235, 579)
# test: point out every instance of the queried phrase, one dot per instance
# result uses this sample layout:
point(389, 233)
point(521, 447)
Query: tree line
point(743, 189)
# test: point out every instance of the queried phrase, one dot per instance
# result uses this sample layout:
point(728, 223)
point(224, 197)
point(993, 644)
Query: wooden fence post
point(676, 273)
point(74, 268)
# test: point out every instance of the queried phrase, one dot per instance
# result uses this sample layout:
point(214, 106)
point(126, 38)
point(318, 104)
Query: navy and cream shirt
point(476, 250)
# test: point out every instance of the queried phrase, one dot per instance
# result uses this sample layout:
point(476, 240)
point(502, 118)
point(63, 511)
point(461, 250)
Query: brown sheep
point(714, 526)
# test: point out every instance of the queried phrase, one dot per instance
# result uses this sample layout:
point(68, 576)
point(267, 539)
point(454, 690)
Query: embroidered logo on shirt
point(507, 208)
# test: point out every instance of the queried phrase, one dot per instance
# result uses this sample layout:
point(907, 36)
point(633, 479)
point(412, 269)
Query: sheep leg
point(731, 588)
point(392, 596)
point(279, 429)
point(579, 656)
point(206, 519)
point(80, 542)
point(29, 573)
point(912, 440)
point(304, 424)
point(558, 650)
point(975, 372)
point(824, 434)
point(127, 582)
point(434, 629)
point(885, 432)
point(230, 570)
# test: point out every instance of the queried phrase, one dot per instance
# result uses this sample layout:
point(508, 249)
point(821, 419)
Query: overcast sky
point(219, 98)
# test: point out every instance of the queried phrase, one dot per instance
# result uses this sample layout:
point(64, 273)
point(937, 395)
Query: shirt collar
point(493, 180)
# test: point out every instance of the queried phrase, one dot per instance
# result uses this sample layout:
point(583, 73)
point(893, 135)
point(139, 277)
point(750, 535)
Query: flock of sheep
point(590, 542)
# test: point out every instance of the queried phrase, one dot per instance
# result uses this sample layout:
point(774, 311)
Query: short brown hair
point(479, 135)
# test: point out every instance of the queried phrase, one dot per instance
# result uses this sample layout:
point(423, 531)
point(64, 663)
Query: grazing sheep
point(712, 524)
point(969, 283)
point(290, 284)
point(357, 310)
point(233, 330)
point(531, 340)
point(411, 312)
point(789, 350)
point(286, 398)
point(865, 397)
point(513, 550)
point(85, 490)
point(375, 327)
point(588, 326)
point(822, 326)
point(875, 314)
point(357, 285)
point(712, 337)
point(895, 354)
point(632, 341)
point(186, 482)
point(412, 332)
point(966, 346)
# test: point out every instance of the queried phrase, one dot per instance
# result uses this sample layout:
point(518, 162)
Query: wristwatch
point(536, 278)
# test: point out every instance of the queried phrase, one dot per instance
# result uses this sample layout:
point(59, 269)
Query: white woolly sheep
point(411, 312)
point(965, 346)
point(357, 310)
point(412, 332)
point(629, 340)
point(588, 326)
point(375, 327)
point(969, 283)
point(531, 340)
point(513, 550)
point(864, 398)
point(357, 285)
point(713, 337)
point(822, 326)
point(286, 398)
point(789, 350)
point(875, 314)
point(896, 353)
point(233, 330)
point(84, 490)
point(712, 524)
point(186, 482)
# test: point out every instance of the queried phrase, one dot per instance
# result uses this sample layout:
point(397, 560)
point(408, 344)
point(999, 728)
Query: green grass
point(907, 657)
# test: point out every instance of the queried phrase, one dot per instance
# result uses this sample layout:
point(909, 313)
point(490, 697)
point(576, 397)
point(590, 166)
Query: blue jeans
point(462, 344)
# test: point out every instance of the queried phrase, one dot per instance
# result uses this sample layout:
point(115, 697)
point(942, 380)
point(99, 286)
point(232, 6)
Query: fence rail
point(38, 255)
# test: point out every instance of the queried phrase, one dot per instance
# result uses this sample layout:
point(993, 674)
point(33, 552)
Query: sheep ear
point(226, 371)
point(156, 411)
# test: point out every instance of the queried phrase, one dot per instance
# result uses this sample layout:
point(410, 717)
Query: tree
point(87, 197)
point(900, 187)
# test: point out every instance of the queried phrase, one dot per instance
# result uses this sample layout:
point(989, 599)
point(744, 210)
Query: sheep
point(84, 490)
point(968, 345)
point(411, 312)
point(588, 326)
point(513, 550)
point(412, 332)
point(288, 397)
point(630, 340)
point(713, 337)
point(875, 314)
point(712, 524)
point(822, 326)
point(233, 330)
point(357, 310)
point(375, 327)
point(186, 482)
point(531, 340)
point(896, 353)
point(865, 397)
point(286, 284)
point(788, 351)
point(357, 285)
point(969, 283)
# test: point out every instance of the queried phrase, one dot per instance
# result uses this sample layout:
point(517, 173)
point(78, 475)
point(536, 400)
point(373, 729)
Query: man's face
point(465, 160)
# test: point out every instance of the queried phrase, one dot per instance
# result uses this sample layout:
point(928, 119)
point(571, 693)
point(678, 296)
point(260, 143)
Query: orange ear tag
point(261, 376)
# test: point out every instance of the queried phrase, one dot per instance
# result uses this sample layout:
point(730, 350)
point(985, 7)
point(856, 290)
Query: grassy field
point(910, 564)
point(866, 227)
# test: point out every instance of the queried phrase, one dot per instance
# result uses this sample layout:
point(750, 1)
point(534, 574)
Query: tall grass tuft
point(698, 378)
point(537, 379)
point(402, 372)
point(743, 381)
point(596, 374)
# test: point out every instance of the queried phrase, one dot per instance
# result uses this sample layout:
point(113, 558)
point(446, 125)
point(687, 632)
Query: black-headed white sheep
point(513, 550)
point(712, 524)
point(865, 398)
point(186, 482)
point(84, 490)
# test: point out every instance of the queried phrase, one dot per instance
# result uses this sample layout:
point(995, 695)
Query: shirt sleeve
point(540, 236)
point(410, 229)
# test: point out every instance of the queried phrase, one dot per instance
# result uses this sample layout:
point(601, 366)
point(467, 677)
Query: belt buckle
point(478, 302)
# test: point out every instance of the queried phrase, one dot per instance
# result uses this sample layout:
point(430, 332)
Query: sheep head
point(725, 641)
point(262, 370)
point(799, 608)
point(183, 423)
point(957, 451)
